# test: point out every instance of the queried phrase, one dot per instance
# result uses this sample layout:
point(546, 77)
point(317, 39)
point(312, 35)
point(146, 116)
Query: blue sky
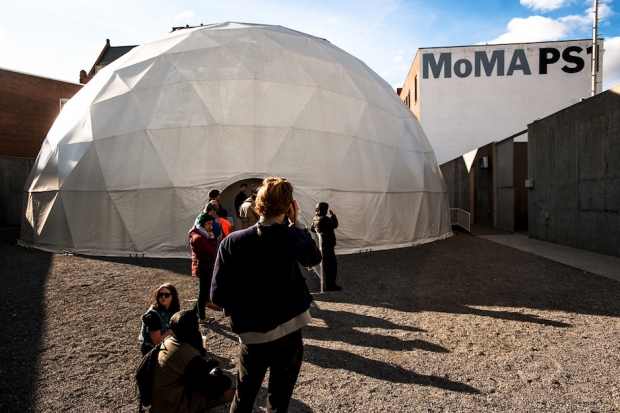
point(58, 38)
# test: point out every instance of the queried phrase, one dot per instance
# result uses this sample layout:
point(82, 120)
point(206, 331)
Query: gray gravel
point(461, 325)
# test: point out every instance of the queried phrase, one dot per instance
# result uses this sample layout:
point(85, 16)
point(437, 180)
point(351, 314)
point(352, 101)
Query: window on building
point(62, 102)
point(415, 89)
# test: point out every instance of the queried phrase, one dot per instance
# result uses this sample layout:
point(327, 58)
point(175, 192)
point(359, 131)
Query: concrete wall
point(456, 176)
point(484, 191)
point(511, 166)
point(505, 184)
point(574, 160)
point(472, 191)
point(521, 192)
point(13, 175)
point(495, 196)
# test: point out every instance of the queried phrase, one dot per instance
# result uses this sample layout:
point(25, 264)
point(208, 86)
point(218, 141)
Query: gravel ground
point(460, 325)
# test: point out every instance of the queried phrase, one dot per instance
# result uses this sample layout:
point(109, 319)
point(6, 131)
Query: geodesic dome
point(127, 165)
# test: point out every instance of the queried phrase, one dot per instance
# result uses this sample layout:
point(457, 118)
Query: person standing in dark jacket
point(324, 223)
point(204, 249)
point(240, 198)
point(268, 306)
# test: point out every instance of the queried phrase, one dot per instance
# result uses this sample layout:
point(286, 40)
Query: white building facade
point(466, 97)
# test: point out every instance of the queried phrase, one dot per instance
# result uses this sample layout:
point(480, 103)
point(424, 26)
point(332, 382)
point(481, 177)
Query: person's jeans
point(330, 266)
point(283, 357)
point(204, 288)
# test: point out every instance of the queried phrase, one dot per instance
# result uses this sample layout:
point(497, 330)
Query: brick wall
point(28, 107)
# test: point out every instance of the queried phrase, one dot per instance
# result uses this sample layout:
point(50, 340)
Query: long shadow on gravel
point(22, 275)
point(464, 272)
point(350, 333)
point(338, 359)
point(179, 266)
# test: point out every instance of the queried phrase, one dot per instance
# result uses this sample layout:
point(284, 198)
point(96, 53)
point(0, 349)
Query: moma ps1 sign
point(470, 96)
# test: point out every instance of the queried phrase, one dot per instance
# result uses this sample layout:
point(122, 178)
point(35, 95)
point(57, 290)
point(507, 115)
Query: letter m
point(445, 60)
point(497, 57)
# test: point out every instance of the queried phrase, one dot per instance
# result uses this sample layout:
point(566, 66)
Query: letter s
point(576, 60)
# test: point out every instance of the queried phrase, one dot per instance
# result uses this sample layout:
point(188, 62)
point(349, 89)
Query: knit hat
point(203, 217)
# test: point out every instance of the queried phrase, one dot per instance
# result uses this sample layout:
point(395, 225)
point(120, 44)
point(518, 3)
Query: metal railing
point(460, 217)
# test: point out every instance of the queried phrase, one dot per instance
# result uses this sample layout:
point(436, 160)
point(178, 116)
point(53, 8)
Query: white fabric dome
point(127, 165)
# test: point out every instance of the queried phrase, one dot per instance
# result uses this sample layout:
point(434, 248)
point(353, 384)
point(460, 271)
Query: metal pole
point(594, 49)
point(322, 274)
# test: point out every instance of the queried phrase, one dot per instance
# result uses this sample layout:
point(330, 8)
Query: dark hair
point(174, 305)
point(204, 217)
point(274, 197)
point(213, 193)
point(223, 213)
point(243, 184)
point(184, 325)
point(321, 209)
point(212, 207)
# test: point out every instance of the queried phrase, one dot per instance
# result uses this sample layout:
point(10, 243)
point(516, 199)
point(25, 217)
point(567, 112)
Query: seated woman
point(204, 248)
point(183, 379)
point(156, 321)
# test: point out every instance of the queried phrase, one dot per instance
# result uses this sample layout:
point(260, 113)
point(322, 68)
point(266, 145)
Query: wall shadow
point(463, 272)
point(181, 266)
point(23, 274)
point(350, 334)
point(337, 359)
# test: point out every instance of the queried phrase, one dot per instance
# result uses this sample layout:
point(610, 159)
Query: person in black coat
point(268, 304)
point(324, 223)
point(240, 198)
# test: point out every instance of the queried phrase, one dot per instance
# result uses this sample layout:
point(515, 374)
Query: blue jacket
point(256, 279)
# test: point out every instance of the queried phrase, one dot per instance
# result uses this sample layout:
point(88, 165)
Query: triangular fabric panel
point(128, 164)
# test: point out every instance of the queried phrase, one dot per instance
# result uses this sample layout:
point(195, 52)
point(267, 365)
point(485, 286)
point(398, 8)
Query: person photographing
point(324, 223)
point(268, 306)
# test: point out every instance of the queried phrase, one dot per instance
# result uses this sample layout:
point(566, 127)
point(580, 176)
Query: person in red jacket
point(204, 250)
point(227, 228)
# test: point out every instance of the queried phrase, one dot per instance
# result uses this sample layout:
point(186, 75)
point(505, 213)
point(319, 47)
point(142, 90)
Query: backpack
point(144, 377)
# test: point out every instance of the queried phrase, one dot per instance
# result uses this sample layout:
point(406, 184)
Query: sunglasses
point(165, 295)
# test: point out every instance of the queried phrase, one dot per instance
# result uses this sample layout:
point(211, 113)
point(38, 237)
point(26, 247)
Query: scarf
point(202, 231)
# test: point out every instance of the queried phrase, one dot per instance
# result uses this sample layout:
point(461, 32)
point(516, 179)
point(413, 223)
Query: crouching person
point(183, 380)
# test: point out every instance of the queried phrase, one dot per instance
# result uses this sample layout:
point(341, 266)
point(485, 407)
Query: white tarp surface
point(127, 165)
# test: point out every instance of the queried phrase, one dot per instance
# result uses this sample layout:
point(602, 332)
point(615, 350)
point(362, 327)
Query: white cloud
point(604, 10)
point(533, 29)
point(539, 28)
point(545, 5)
point(186, 15)
point(611, 62)
point(332, 20)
